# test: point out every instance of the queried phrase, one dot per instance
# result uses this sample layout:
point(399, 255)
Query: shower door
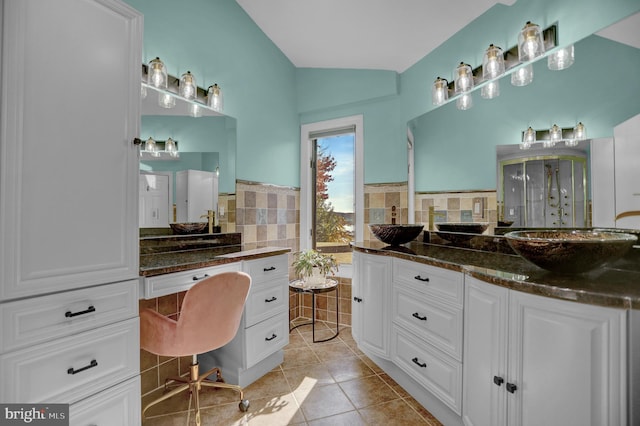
point(545, 192)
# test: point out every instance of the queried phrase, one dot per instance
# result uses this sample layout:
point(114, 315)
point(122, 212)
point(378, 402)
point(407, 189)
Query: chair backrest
point(211, 312)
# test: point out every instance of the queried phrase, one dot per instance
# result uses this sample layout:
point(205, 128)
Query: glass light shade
point(195, 110)
point(490, 90)
point(166, 100)
point(580, 132)
point(157, 74)
point(530, 42)
point(143, 91)
point(150, 146)
point(439, 91)
point(555, 133)
point(492, 62)
point(463, 78)
point(529, 136)
point(525, 145)
point(561, 59)
point(464, 102)
point(188, 88)
point(171, 147)
point(214, 98)
point(522, 76)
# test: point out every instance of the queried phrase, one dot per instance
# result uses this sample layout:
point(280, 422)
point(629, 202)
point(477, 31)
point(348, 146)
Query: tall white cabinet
point(627, 173)
point(532, 360)
point(70, 94)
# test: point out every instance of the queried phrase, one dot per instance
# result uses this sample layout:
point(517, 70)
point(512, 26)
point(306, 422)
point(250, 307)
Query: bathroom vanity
point(172, 264)
point(482, 337)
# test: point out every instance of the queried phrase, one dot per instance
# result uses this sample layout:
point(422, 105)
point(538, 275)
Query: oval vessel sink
point(570, 251)
point(395, 234)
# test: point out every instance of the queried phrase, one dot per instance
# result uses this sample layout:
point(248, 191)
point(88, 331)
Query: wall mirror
point(206, 144)
point(455, 150)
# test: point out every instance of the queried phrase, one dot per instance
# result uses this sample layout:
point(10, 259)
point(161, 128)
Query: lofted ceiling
point(362, 34)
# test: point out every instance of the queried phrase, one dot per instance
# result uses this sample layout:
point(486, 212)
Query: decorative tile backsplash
point(478, 206)
point(384, 203)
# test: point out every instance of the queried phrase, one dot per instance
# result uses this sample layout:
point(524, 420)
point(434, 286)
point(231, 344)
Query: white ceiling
point(364, 34)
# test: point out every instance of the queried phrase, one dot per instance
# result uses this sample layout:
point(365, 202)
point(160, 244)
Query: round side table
point(299, 286)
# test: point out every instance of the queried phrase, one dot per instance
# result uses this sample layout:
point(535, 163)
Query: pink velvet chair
point(209, 319)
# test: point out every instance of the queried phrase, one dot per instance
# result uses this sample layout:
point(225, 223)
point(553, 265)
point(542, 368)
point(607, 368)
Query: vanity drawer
point(438, 282)
point(268, 268)
point(176, 282)
point(73, 367)
point(118, 405)
point(438, 323)
point(438, 373)
point(40, 319)
point(266, 337)
point(265, 301)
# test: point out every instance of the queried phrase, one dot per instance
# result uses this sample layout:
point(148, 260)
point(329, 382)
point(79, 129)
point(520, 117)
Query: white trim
point(306, 178)
point(411, 184)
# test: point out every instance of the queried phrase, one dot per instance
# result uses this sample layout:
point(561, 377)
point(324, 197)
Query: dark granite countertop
point(183, 260)
point(617, 285)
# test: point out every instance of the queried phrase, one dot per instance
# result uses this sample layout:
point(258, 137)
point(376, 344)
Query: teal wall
point(218, 42)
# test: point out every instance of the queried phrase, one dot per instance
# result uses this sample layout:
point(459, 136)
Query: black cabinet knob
point(511, 387)
point(498, 380)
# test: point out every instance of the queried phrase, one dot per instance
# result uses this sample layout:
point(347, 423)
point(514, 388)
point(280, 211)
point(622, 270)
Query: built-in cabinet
point(68, 202)
point(532, 360)
point(371, 292)
point(257, 346)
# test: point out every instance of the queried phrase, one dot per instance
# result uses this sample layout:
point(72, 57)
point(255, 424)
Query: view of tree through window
point(334, 184)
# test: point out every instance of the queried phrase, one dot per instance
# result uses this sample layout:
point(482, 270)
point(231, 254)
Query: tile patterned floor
point(329, 383)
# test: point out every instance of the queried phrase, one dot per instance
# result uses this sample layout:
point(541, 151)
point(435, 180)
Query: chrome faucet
point(433, 214)
point(211, 216)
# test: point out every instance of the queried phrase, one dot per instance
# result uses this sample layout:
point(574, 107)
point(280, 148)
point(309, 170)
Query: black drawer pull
point(357, 299)
point(273, 268)
point(93, 363)
point(419, 278)
point(273, 299)
point(417, 315)
point(418, 363)
point(273, 336)
point(196, 278)
point(511, 387)
point(70, 314)
point(498, 380)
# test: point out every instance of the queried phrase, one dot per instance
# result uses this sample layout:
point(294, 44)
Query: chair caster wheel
point(244, 405)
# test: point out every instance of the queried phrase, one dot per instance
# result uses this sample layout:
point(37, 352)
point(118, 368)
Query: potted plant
point(313, 267)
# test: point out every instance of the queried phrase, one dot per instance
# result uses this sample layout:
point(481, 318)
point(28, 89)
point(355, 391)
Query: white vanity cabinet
point(256, 348)
point(70, 95)
point(627, 173)
point(426, 339)
point(371, 292)
point(533, 360)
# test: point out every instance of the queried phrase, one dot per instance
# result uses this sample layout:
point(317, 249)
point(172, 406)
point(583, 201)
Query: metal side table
point(300, 286)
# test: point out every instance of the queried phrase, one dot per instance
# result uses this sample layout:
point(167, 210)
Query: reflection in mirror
point(542, 187)
point(455, 151)
point(207, 145)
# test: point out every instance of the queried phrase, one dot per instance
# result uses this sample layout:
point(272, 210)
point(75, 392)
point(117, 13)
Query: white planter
point(316, 278)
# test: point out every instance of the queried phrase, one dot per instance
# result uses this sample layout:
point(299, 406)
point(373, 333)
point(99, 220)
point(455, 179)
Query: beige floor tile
point(308, 376)
point(271, 384)
point(322, 401)
point(366, 391)
point(351, 418)
point(334, 350)
point(348, 368)
point(299, 356)
point(392, 413)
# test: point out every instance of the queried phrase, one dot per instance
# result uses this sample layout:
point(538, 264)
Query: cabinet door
point(68, 169)
point(567, 361)
point(627, 173)
point(154, 204)
point(485, 354)
point(375, 292)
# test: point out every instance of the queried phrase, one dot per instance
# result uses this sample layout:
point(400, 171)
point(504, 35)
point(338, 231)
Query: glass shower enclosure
point(544, 191)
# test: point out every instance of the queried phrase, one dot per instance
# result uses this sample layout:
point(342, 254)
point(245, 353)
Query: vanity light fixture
point(171, 147)
point(187, 87)
point(528, 137)
point(439, 91)
point(561, 59)
point(492, 62)
point(490, 90)
point(157, 74)
point(579, 134)
point(151, 148)
point(463, 81)
point(555, 135)
point(530, 42)
point(214, 97)
point(464, 102)
point(522, 76)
